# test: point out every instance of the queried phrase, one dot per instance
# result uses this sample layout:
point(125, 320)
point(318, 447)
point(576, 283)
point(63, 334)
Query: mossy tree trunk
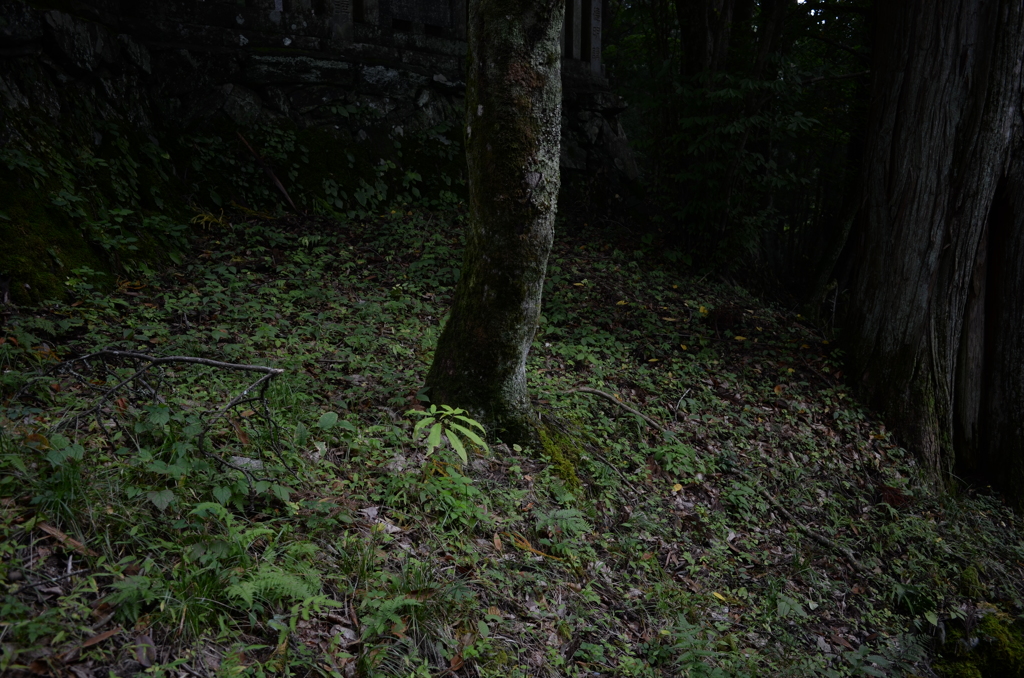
point(513, 118)
point(925, 328)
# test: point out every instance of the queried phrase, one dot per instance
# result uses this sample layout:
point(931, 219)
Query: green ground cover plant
point(216, 470)
point(95, 195)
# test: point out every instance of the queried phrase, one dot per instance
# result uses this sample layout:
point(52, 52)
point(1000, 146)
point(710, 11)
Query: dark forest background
point(778, 370)
point(864, 158)
point(748, 120)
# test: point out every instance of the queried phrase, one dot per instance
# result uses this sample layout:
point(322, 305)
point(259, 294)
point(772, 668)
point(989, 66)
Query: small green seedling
point(448, 421)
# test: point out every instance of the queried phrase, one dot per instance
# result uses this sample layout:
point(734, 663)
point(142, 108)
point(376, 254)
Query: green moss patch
point(564, 452)
point(42, 246)
point(994, 648)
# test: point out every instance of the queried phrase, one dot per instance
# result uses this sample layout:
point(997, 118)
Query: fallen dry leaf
point(100, 637)
point(243, 437)
point(145, 650)
point(65, 540)
point(838, 640)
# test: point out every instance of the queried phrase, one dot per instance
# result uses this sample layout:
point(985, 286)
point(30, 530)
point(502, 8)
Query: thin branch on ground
point(149, 361)
point(180, 359)
point(609, 396)
point(845, 76)
point(816, 536)
point(262, 382)
point(269, 172)
point(46, 580)
point(820, 538)
point(617, 470)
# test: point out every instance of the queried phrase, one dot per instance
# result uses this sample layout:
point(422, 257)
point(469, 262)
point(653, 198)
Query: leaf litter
point(723, 507)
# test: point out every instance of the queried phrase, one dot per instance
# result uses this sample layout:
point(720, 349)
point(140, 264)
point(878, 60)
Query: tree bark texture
point(990, 404)
point(923, 322)
point(513, 118)
point(705, 28)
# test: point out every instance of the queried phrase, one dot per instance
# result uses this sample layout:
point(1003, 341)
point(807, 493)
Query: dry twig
point(149, 361)
point(820, 538)
point(609, 396)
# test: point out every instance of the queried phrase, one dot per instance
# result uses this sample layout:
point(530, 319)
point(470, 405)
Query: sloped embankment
point(117, 123)
point(711, 501)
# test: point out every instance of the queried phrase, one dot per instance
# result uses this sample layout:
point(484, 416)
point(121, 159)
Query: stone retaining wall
point(401, 61)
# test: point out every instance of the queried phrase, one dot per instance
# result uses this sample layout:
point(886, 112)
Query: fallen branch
point(151, 360)
point(243, 397)
point(45, 579)
point(619, 472)
point(181, 359)
point(262, 381)
point(816, 536)
point(604, 461)
point(846, 76)
point(269, 172)
point(609, 396)
point(820, 538)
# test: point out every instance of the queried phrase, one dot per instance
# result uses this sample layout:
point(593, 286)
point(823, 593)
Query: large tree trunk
point(705, 28)
point(946, 100)
point(990, 403)
point(513, 117)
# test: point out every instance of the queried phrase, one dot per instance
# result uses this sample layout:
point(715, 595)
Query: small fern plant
point(451, 424)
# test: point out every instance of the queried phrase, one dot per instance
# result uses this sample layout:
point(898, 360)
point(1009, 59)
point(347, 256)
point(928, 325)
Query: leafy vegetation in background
point(749, 162)
point(759, 522)
point(101, 193)
point(70, 205)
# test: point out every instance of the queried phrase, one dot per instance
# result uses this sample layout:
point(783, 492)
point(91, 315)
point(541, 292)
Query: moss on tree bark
point(513, 118)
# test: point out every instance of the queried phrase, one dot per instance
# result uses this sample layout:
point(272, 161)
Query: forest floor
point(723, 507)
